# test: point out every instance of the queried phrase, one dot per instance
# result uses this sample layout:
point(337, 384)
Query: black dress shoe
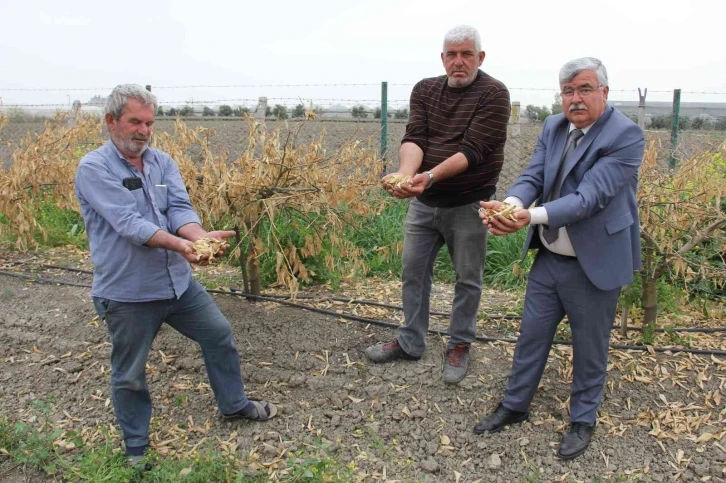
point(495, 422)
point(575, 441)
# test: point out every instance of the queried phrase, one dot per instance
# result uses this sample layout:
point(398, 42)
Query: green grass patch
point(26, 445)
point(62, 227)
point(505, 268)
point(382, 238)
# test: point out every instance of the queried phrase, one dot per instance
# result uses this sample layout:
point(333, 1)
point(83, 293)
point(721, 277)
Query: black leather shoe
point(495, 422)
point(575, 441)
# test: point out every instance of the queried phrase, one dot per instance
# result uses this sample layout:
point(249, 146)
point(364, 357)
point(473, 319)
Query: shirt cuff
point(538, 216)
point(513, 200)
point(144, 233)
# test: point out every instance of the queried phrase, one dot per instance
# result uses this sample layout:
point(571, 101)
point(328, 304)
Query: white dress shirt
point(538, 216)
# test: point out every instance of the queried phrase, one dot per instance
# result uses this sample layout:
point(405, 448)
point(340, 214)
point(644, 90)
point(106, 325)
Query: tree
point(557, 105)
point(359, 112)
point(299, 111)
point(186, 111)
point(666, 122)
point(207, 111)
point(660, 122)
point(377, 113)
point(720, 124)
point(682, 219)
point(401, 114)
point(160, 111)
point(268, 111)
point(172, 112)
point(225, 110)
point(535, 113)
point(701, 122)
point(532, 112)
point(240, 111)
point(291, 202)
point(280, 111)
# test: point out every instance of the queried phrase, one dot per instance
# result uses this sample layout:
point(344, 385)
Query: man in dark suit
point(584, 175)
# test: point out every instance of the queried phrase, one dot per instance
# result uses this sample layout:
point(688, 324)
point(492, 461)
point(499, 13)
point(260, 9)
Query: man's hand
point(413, 187)
point(398, 184)
point(501, 225)
point(221, 235)
point(185, 248)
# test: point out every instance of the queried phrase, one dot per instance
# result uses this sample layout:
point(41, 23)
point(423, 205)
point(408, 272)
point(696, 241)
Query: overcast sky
point(66, 45)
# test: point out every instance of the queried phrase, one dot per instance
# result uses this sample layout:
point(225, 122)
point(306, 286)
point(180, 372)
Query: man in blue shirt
point(141, 227)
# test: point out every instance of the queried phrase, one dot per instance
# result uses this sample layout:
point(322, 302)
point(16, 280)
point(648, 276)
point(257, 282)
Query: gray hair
point(574, 67)
point(121, 95)
point(462, 33)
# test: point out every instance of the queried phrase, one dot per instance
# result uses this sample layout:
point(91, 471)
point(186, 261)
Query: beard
point(130, 146)
point(459, 82)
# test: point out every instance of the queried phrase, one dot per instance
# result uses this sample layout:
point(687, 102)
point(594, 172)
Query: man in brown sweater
point(453, 150)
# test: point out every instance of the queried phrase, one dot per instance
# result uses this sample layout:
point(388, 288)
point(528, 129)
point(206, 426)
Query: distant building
point(97, 101)
point(707, 110)
point(336, 111)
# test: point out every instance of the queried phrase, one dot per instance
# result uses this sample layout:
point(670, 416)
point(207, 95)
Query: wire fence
point(353, 112)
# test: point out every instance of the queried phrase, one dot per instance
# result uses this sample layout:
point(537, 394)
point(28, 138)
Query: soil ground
point(662, 416)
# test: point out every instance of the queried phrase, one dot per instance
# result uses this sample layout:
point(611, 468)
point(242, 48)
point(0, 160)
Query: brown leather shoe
point(387, 352)
point(456, 363)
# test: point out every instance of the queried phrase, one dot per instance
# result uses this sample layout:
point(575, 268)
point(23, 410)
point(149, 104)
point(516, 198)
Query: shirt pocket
point(142, 206)
point(162, 197)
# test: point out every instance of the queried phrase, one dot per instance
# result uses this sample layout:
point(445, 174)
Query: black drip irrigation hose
point(382, 323)
point(43, 280)
point(703, 330)
point(302, 297)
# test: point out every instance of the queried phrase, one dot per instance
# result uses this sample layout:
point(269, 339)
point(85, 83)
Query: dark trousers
point(133, 327)
point(558, 286)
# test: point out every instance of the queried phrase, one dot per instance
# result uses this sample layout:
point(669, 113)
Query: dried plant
point(326, 191)
point(680, 212)
point(42, 171)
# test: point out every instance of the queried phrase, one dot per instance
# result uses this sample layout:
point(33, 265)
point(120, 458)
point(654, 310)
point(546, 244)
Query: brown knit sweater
point(470, 120)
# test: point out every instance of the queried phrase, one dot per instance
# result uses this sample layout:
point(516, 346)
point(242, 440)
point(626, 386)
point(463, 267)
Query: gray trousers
point(426, 230)
point(558, 286)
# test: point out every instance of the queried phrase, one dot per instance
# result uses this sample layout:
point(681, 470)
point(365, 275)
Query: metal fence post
point(674, 127)
point(514, 118)
point(641, 107)
point(384, 123)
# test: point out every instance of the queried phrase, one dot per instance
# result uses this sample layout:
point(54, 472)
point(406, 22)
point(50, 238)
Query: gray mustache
point(577, 106)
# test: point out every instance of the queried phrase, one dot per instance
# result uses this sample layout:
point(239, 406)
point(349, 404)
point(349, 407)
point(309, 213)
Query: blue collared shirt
point(119, 221)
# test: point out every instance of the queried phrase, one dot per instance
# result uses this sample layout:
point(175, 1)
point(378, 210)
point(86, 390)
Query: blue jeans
point(426, 230)
point(133, 327)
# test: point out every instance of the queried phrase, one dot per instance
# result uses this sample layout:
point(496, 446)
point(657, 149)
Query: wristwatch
point(431, 179)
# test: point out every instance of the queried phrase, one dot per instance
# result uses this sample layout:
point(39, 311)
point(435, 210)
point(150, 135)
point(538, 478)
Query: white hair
point(122, 93)
point(574, 67)
point(462, 33)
